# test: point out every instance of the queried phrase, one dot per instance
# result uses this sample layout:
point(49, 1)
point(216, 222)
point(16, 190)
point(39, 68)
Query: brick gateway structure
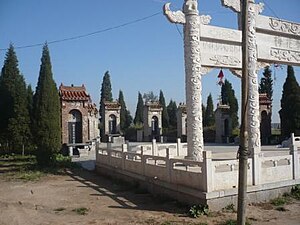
point(79, 116)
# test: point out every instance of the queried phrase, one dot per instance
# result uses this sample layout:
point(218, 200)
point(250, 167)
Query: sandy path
point(32, 203)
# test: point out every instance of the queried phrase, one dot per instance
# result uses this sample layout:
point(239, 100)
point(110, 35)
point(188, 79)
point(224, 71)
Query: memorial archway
point(75, 126)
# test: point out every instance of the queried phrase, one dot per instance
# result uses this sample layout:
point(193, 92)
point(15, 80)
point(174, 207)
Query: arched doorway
point(75, 126)
point(265, 127)
point(226, 128)
point(154, 126)
point(112, 124)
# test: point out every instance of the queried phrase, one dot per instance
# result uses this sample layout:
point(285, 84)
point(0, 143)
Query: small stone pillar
point(124, 147)
point(154, 147)
point(207, 171)
point(295, 157)
point(179, 147)
point(71, 151)
point(168, 164)
point(256, 163)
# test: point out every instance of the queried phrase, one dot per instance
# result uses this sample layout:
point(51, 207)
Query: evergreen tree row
point(290, 105)
point(228, 98)
point(28, 120)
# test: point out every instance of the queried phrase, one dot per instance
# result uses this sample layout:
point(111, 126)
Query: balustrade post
point(295, 157)
point(179, 147)
point(154, 147)
point(207, 171)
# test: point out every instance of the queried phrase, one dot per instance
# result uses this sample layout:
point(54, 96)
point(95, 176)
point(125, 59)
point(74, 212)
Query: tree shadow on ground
point(126, 195)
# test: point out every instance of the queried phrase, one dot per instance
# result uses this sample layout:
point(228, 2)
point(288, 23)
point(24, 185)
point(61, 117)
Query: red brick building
point(79, 116)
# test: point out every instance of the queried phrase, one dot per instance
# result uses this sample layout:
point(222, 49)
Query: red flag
point(221, 75)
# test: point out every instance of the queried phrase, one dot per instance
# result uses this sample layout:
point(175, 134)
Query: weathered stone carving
point(225, 60)
point(174, 17)
point(205, 70)
point(234, 5)
point(259, 7)
point(225, 34)
point(253, 95)
point(284, 26)
point(193, 70)
point(193, 80)
point(205, 19)
point(284, 54)
point(190, 7)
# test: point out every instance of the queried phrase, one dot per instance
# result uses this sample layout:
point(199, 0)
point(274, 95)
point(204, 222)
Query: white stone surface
point(220, 47)
point(208, 176)
point(277, 26)
point(207, 46)
point(253, 95)
point(278, 49)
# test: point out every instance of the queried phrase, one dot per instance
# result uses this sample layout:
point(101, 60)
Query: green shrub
point(198, 210)
point(279, 201)
point(229, 208)
point(62, 161)
point(81, 210)
point(296, 192)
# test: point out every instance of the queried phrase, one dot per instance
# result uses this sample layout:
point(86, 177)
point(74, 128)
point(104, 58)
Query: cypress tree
point(105, 95)
point(125, 117)
point(106, 92)
point(172, 111)
point(138, 118)
point(266, 83)
point(165, 116)
point(290, 105)
point(228, 98)
point(209, 113)
point(30, 102)
point(30, 110)
point(14, 115)
point(203, 116)
point(46, 107)
point(150, 97)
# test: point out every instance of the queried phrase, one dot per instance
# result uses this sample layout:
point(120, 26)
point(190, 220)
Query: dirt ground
point(54, 200)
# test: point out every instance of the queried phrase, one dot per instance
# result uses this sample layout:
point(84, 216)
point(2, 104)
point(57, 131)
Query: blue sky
point(144, 56)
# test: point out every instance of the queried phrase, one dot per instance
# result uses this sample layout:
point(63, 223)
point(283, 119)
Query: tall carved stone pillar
point(193, 72)
point(193, 80)
point(253, 95)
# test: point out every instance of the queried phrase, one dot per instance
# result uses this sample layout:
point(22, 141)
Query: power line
point(88, 34)
point(178, 30)
point(269, 7)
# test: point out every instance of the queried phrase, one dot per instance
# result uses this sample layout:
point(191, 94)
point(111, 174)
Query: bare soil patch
point(82, 197)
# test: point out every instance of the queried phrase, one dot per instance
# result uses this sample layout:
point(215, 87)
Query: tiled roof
point(264, 100)
point(72, 93)
point(154, 105)
point(112, 105)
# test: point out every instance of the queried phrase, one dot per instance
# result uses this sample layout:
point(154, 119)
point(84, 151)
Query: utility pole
point(243, 148)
